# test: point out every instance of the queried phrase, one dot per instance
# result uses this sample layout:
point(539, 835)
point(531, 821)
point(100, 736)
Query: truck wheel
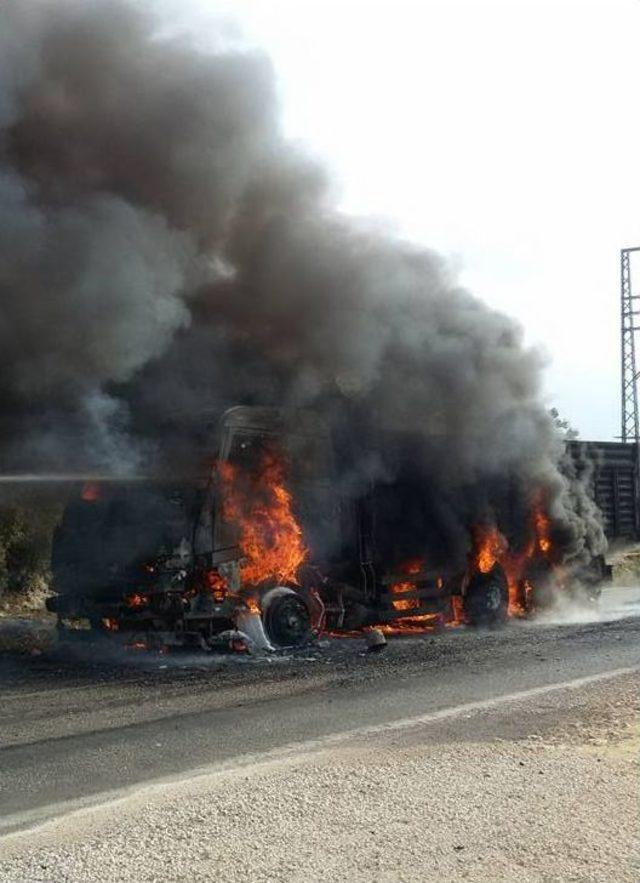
point(286, 618)
point(486, 601)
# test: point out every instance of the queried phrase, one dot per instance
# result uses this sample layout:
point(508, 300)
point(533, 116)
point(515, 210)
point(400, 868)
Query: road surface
point(80, 733)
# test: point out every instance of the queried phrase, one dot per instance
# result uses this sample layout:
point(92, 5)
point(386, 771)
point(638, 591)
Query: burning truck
point(280, 539)
point(182, 253)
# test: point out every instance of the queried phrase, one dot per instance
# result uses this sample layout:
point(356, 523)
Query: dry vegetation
point(27, 522)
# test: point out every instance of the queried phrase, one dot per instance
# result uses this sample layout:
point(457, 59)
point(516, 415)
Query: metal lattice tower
point(628, 314)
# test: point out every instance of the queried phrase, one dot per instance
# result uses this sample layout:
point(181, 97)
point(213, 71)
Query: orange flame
point(490, 547)
point(90, 492)
point(136, 645)
point(542, 528)
point(261, 507)
point(411, 625)
point(217, 585)
point(457, 612)
point(136, 600)
point(403, 604)
point(252, 604)
point(411, 567)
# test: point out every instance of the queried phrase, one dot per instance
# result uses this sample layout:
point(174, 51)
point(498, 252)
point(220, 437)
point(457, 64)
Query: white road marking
point(48, 815)
point(409, 723)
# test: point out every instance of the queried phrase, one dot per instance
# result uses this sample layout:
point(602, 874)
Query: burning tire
point(486, 602)
point(286, 618)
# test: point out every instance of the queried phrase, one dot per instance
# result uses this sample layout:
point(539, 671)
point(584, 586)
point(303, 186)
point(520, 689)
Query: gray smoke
point(163, 251)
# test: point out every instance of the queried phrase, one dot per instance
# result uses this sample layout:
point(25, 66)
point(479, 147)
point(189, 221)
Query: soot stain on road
point(35, 660)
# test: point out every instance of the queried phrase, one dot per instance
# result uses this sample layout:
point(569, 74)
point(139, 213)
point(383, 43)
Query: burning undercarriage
point(273, 545)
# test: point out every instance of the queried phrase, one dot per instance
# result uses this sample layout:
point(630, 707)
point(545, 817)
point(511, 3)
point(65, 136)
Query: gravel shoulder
point(542, 789)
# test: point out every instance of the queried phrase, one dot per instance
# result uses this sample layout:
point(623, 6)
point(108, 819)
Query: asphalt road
point(73, 731)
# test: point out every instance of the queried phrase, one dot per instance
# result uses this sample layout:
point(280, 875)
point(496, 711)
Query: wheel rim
point(287, 621)
point(493, 598)
point(486, 600)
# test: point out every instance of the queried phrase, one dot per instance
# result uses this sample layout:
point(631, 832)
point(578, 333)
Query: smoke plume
point(164, 252)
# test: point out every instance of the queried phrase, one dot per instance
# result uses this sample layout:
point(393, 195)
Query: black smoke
point(165, 253)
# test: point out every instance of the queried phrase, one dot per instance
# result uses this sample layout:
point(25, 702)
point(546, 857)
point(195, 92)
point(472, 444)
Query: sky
point(503, 134)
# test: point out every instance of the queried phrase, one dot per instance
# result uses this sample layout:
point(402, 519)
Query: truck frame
point(156, 564)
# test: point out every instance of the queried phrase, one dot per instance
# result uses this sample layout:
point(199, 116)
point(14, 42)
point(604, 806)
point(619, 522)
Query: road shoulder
point(541, 789)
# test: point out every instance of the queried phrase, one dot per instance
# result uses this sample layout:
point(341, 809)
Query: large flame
point(491, 548)
point(260, 505)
